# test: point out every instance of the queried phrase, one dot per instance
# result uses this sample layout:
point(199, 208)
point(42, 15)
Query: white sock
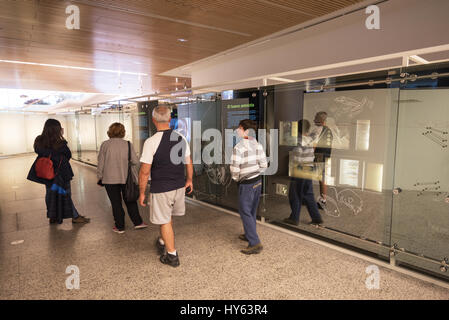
point(161, 241)
point(172, 253)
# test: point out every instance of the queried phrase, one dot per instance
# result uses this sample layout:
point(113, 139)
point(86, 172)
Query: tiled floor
point(114, 266)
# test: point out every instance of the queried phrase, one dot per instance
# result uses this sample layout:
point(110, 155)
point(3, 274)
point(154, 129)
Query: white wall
point(33, 127)
point(12, 134)
point(18, 131)
point(103, 122)
point(87, 132)
point(405, 25)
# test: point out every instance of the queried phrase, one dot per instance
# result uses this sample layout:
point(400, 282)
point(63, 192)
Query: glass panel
point(102, 122)
point(87, 138)
point(245, 104)
point(132, 121)
point(73, 135)
point(420, 222)
point(207, 175)
point(358, 174)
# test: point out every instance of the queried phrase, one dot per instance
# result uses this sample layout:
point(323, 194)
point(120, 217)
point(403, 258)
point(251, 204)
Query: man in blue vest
point(164, 157)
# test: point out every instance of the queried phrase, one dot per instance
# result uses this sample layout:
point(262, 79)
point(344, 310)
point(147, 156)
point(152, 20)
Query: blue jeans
point(249, 196)
point(301, 190)
point(69, 192)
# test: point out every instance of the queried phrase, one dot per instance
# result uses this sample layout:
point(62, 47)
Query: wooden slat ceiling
point(134, 36)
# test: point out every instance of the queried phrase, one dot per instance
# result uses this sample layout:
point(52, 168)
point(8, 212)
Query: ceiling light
point(182, 40)
point(418, 59)
point(71, 67)
point(282, 79)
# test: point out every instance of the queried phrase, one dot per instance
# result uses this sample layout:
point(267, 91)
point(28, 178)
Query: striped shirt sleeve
point(248, 160)
point(261, 159)
point(235, 163)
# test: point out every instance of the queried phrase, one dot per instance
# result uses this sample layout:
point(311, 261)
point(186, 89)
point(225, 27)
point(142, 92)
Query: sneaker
point(80, 219)
point(52, 221)
point(291, 221)
point(118, 230)
point(143, 225)
point(171, 260)
point(160, 247)
point(243, 237)
point(316, 223)
point(252, 249)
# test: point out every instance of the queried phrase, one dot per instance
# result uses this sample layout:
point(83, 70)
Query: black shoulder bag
point(131, 188)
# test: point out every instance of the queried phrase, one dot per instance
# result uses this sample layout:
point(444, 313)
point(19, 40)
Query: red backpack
point(44, 168)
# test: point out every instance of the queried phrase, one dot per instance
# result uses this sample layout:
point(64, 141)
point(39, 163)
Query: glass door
point(420, 219)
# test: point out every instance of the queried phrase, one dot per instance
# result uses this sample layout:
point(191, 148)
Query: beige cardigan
point(113, 161)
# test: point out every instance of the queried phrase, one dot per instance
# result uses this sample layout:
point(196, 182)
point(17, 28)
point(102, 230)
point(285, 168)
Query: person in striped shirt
point(247, 163)
point(301, 189)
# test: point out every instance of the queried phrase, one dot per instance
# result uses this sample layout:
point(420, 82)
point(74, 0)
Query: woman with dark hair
point(112, 172)
point(51, 144)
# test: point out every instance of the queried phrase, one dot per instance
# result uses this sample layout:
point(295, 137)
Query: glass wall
point(420, 221)
point(87, 129)
point(385, 181)
point(355, 182)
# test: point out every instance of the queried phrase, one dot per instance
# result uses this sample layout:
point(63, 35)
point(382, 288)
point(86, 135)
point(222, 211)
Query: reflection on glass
point(362, 135)
point(374, 176)
point(328, 178)
point(288, 133)
point(342, 109)
point(349, 172)
point(184, 127)
point(299, 169)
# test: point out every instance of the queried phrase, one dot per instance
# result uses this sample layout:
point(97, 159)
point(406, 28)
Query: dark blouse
point(61, 164)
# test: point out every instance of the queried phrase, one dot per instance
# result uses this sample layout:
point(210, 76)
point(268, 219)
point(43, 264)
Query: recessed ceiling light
point(182, 40)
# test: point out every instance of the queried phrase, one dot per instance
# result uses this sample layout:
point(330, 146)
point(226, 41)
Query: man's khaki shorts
point(167, 204)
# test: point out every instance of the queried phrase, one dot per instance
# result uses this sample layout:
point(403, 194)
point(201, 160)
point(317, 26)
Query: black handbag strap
point(129, 152)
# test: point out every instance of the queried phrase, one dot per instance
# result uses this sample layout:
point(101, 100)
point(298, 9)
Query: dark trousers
point(249, 195)
point(301, 191)
point(69, 193)
point(115, 192)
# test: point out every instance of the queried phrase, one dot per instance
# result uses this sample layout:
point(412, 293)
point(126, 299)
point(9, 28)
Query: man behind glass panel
point(323, 149)
point(301, 187)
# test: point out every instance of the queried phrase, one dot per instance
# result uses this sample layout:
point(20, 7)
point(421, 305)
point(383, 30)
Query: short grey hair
point(320, 117)
point(161, 114)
